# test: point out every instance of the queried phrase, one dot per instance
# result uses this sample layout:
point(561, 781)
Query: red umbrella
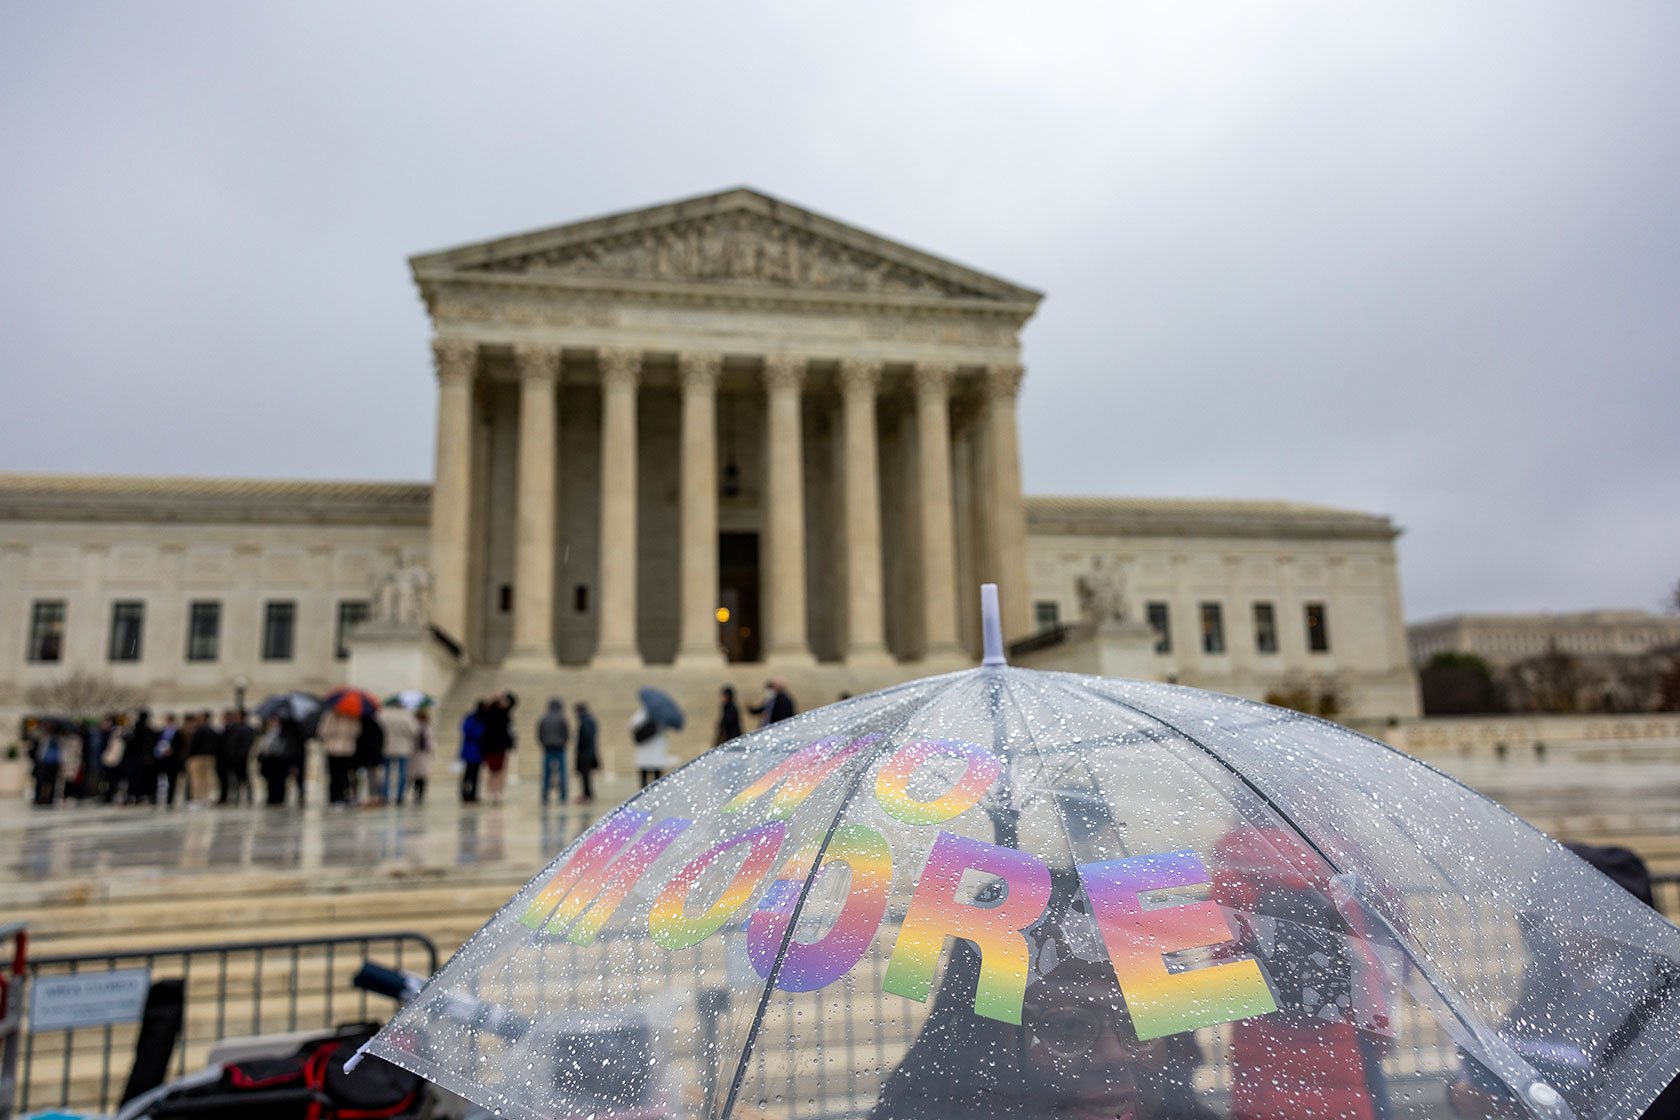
point(352, 702)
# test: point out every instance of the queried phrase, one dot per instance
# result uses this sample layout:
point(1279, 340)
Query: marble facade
point(630, 405)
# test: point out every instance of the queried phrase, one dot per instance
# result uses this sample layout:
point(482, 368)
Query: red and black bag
point(308, 1085)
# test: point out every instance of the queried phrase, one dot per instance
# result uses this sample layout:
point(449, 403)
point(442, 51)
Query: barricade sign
point(88, 999)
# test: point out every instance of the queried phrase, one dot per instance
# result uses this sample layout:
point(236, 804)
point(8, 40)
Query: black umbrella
point(661, 708)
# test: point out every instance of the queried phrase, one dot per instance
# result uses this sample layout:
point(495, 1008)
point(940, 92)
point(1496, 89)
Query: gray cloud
point(1416, 258)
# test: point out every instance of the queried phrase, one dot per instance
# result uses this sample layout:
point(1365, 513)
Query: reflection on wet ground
point(89, 841)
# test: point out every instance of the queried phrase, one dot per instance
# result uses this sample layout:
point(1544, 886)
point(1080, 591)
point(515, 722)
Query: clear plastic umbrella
point(1011, 893)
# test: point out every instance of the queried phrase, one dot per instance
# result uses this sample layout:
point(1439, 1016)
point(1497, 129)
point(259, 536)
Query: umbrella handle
point(991, 626)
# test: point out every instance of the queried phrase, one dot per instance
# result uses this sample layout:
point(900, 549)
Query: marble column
point(784, 377)
point(697, 629)
point(621, 372)
point(939, 556)
point(865, 625)
point(457, 364)
point(533, 558)
point(1008, 515)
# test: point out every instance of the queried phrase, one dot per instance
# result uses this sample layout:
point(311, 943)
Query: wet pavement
point(87, 841)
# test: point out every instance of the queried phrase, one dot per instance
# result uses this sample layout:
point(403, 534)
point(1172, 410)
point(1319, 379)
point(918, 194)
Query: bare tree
point(81, 695)
point(1314, 697)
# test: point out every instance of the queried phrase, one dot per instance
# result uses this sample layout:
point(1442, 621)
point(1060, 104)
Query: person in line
point(370, 758)
point(204, 749)
point(777, 704)
point(137, 760)
point(111, 759)
point(272, 763)
point(96, 737)
point(553, 733)
point(653, 752)
point(47, 755)
point(74, 774)
point(472, 756)
point(401, 729)
point(168, 758)
point(587, 759)
point(295, 736)
point(338, 734)
point(238, 736)
point(421, 766)
point(729, 717)
point(497, 741)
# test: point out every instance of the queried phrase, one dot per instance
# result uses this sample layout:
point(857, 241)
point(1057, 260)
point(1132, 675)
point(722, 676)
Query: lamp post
point(239, 686)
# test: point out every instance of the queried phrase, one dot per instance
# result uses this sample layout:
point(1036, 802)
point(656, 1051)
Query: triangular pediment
point(740, 239)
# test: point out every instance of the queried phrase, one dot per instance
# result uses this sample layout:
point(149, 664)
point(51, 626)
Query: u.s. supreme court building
point(708, 442)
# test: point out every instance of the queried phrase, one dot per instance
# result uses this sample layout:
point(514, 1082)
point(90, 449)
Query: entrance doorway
point(738, 595)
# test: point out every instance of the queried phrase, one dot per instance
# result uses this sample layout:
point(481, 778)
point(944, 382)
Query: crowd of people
point(375, 758)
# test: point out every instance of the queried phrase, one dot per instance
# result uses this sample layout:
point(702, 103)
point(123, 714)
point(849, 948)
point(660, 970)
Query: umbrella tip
point(991, 626)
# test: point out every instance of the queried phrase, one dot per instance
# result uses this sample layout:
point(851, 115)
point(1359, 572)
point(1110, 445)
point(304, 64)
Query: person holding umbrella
point(656, 712)
point(338, 733)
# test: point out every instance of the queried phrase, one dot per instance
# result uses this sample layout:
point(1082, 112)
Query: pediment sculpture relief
point(745, 249)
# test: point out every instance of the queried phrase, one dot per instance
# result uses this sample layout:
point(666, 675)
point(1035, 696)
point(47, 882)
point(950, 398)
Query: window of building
point(279, 625)
point(1160, 622)
point(128, 623)
point(351, 614)
point(204, 630)
point(1318, 629)
point(1213, 629)
point(1265, 628)
point(46, 630)
point(580, 598)
point(1047, 614)
point(504, 598)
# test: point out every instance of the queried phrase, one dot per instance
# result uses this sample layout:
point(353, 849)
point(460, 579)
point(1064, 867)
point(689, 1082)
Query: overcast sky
point(1417, 259)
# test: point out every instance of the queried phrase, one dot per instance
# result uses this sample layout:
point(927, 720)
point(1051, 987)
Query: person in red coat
point(1307, 1059)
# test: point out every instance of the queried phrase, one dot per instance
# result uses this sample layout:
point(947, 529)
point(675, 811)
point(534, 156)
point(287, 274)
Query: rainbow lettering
point(671, 928)
point(803, 772)
point(807, 967)
point(1162, 1002)
point(891, 782)
point(996, 931)
point(591, 878)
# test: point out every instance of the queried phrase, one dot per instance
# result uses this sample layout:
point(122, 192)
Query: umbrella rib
point(798, 907)
point(1466, 1021)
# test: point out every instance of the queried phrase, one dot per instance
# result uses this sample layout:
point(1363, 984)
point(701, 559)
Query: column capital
point(1004, 380)
point(699, 369)
point(934, 377)
point(783, 371)
point(537, 361)
point(620, 367)
point(455, 357)
point(860, 374)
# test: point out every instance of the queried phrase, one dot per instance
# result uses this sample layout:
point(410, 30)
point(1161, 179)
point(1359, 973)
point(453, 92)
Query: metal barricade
point(229, 989)
point(1665, 890)
point(13, 988)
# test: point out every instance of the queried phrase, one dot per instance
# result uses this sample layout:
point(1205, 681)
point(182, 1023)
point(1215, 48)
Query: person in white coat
point(653, 753)
point(401, 731)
